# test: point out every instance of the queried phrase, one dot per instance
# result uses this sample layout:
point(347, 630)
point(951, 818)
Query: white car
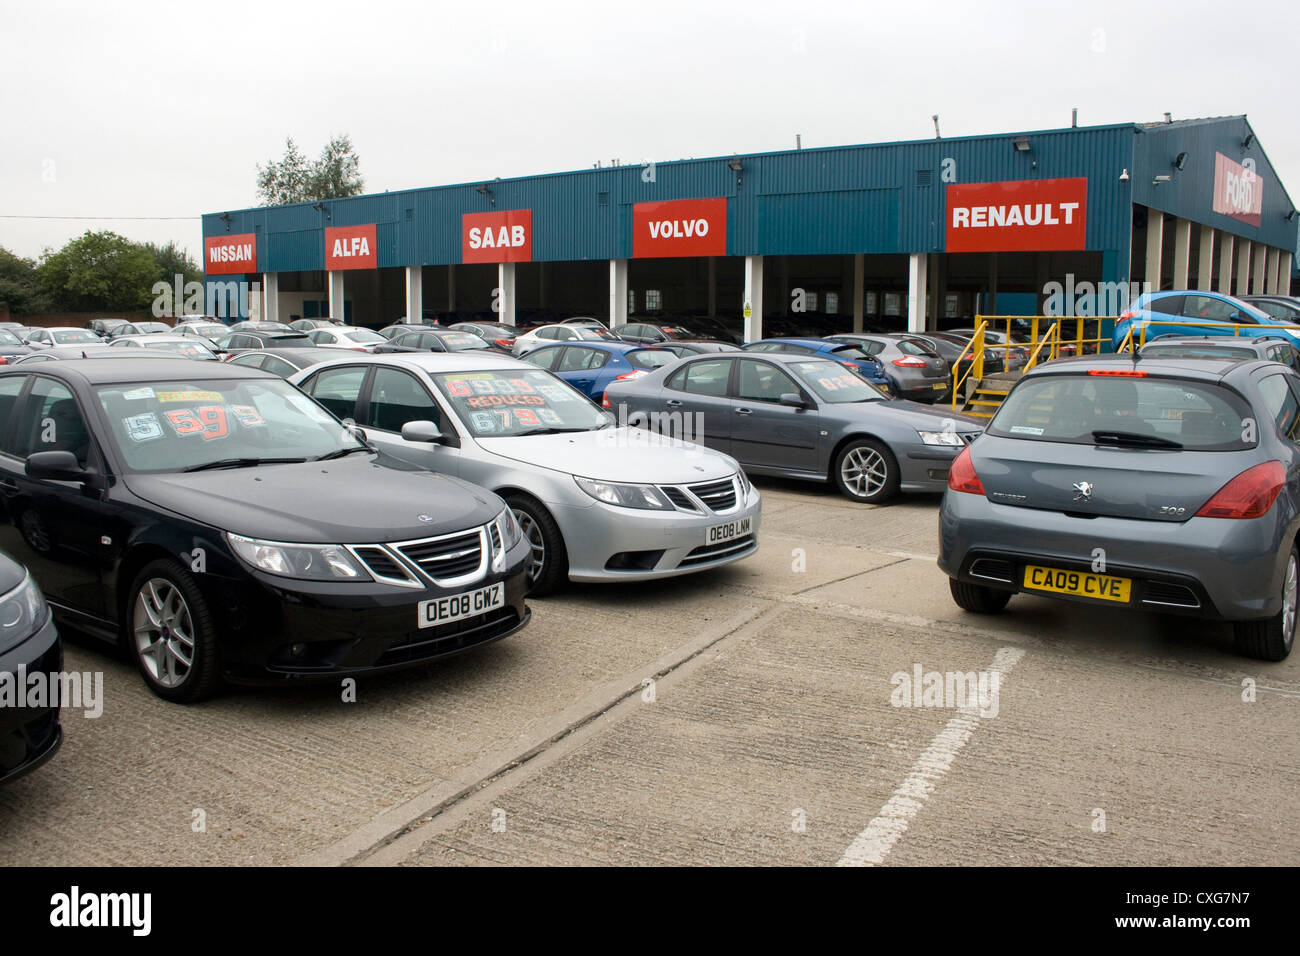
point(561, 332)
point(346, 337)
point(597, 501)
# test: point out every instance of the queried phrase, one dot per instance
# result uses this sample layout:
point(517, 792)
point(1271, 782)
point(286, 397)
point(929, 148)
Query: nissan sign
point(230, 255)
point(1023, 215)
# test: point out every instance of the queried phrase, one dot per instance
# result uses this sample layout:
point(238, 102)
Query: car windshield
point(849, 352)
point(462, 341)
point(650, 358)
point(8, 338)
point(833, 383)
point(191, 350)
point(364, 336)
point(593, 332)
point(207, 330)
point(178, 426)
point(1138, 411)
point(73, 336)
point(506, 402)
point(152, 327)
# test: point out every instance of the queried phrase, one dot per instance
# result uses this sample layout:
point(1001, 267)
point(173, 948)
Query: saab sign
point(1238, 191)
point(1024, 215)
point(681, 227)
point(230, 255)
point(497, 236)
point(350, 247)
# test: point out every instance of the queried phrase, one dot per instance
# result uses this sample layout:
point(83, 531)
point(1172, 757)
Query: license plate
point(457, 607)
point(939, 387)
point(730, 531)
point(1101, 587)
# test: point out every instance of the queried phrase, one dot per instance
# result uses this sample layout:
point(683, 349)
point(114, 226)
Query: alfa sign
point(230, 255)
point(1238, 191)
point(351, 247)
point(1025, 215)
point(681, 227)
point(497, 236)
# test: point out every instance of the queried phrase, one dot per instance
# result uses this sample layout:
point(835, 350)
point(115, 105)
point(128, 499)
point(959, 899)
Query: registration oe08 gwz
point(457, 607)
point(732, 529)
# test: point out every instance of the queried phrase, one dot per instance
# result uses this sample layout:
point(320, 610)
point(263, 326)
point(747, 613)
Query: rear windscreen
point(1198, 416)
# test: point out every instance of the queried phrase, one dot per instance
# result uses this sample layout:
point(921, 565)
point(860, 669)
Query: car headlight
point(508, 529)
point(646, 497)
point(744, 483)
point(950, 439)
point(308, 562)
point(22, 613)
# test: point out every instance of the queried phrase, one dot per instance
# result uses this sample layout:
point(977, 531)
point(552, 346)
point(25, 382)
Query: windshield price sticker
point(136, 394)
point(248, 416)
point(168, 397)
point(832, 384)
point(143, 428)
point(210, 421)
point(489, 401)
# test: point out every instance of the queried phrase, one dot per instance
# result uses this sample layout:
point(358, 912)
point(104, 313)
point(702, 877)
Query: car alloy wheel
point(1289, 601)
point(864, 471)
point(164, 632)
point(536, 543)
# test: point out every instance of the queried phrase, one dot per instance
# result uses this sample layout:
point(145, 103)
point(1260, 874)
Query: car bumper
point(29, 736)
point(274, 630)
point(924, 467)
point(1210, 567)
point(607, 543)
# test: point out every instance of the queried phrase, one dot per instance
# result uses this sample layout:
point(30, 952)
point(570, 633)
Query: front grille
point(717, 495)
point(1173, 595)
point(679, 498)
point(968, 437)
point(381, 564)
point(449, 557)
point(992, 570)
point(712, 552)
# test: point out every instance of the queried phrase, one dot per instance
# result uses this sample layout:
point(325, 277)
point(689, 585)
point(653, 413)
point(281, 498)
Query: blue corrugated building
point(916, 234)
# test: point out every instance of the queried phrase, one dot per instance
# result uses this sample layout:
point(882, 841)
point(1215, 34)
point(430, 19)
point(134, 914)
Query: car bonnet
point(616, 454)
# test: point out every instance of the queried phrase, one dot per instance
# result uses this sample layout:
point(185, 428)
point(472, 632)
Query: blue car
point(846, 353)
point(591, 366)
point(1201, 311)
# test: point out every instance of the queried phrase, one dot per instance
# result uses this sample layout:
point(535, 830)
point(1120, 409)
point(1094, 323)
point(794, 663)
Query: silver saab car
point(800, 416)
point(597, 502)
point(1169, 485)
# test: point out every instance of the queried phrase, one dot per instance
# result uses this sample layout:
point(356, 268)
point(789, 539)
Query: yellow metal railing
point(1051, 340)
point(976, 366)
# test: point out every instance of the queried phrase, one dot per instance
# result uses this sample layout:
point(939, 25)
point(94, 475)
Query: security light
point(1245, 143)
point(1021, 144)
point(735, 165)
point(1123, 177)
point(1180, 161)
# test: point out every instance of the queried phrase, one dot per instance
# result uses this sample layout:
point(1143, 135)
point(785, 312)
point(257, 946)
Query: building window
point(869, 303)
point(893, 303)
point(832, 303)
point(951, 303)
point(631, 301)
point(653, 300)
point(810, 301)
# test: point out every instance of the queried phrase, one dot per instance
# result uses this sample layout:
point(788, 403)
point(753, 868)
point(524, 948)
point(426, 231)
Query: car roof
point(799, 340)
point(432, 362)
point(1203, 369)
point(604, 345)
point(308, 354)
point(166, 369)
point(1225, 341)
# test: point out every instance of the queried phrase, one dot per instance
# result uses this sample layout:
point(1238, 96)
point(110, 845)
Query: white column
point(1225, 263)
point(1243, 267)
point(859, 287)
point(414, 293)
point(451, 288)
point(1259, 254)
point(713, 285)
point(337, 309)
point(916, 289)
point(1284, 274)
point(752, 307)
point(271, 296)
point(1182, 252)
point(1205, 261)
point(1155, 244)
point(506, 292)
point(1271, 287)
point(617, 293)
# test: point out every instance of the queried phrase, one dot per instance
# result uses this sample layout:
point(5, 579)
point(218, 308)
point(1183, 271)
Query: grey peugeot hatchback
point(1169, 485)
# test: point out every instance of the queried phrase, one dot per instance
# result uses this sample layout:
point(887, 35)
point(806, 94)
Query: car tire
point(866, 470)
point(1272, 638)
point(549, 570)
point(164, 602)
point(978, 599)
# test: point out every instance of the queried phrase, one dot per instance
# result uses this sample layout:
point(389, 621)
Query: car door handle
point(744, 411)
point(673, 403)
point(8, 484)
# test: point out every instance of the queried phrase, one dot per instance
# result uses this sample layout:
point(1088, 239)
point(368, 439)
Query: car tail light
point(968, 357)
point(1125, 316)
point(505, 343)
point(1117, 372)
point(3, 360)
point(1249, 495)
point(962, 476)
point(909, 361)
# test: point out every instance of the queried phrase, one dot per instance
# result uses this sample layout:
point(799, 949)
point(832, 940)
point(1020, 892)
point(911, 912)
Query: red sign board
point(351, 247)
point(1024, 215)
point(680, 227)
point(505, 236)
point(1238, 190)
point(230, 255)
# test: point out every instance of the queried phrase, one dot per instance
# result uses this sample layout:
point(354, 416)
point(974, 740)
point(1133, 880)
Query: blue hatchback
point(846, 353)
point(1195, 313)
point(591, 366)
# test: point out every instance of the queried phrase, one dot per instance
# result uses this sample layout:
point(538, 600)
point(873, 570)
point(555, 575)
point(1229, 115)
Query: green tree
point(336, 174)
point(172, 261)
point(99, 271)
point(18, 285)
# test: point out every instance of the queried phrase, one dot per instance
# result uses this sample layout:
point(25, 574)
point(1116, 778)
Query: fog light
point(298, 650)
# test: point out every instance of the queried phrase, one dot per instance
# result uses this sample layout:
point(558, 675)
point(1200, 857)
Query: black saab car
point(218, 523)
point(29, 645)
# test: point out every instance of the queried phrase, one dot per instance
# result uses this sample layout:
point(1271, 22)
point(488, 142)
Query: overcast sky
point(164, 109)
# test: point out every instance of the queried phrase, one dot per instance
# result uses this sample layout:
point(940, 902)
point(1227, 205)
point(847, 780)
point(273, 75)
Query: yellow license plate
point(1100, 587)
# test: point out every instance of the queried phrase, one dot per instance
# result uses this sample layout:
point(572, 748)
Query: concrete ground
point(745, 715)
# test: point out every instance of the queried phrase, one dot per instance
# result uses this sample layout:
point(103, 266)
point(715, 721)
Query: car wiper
point(242, 463)
point(549, 431)
point(339, 453)
point(1104, 437)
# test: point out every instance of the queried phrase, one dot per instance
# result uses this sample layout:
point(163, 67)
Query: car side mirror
point(55, 466)
point(423, 431)
point(793, 399)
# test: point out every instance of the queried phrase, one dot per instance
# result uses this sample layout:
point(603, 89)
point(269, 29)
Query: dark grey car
point(799, 416)
point(916, 369)
point(1241, 348)
point(1168, 485)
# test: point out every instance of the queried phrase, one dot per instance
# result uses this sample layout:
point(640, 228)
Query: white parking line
point(874, 843)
